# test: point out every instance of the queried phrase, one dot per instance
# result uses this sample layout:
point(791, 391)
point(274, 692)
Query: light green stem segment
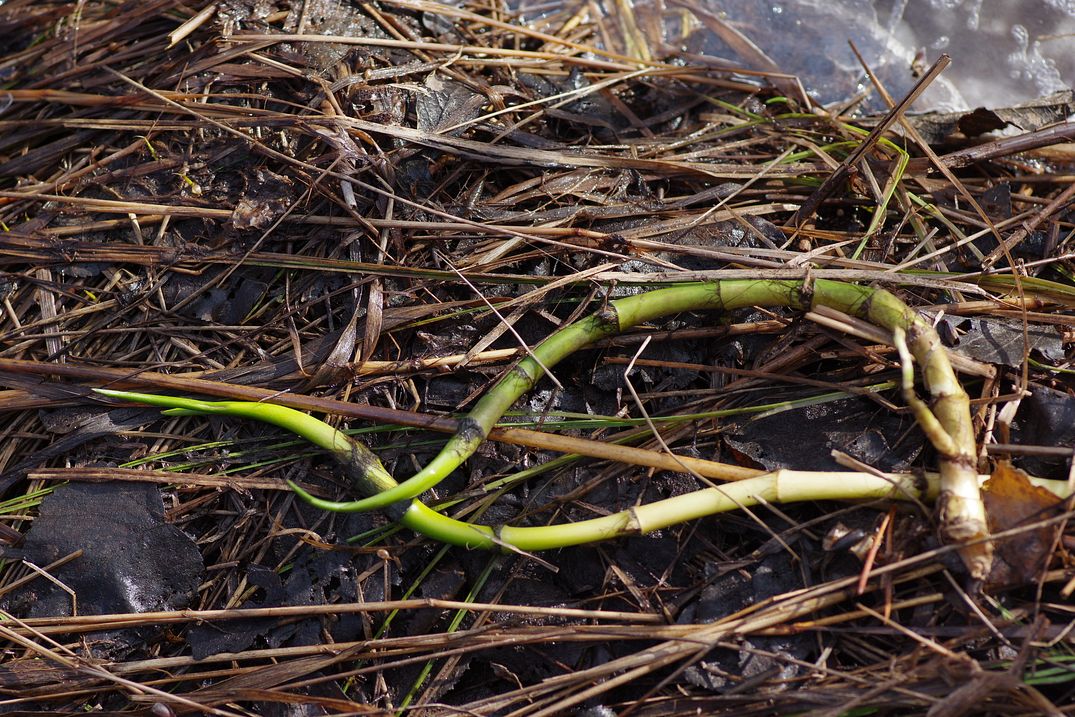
point(619, 316)
point(782, 486)
point(363, 465)
point(951, 411)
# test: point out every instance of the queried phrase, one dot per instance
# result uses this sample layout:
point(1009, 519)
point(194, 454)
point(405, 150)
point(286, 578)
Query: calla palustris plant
point(945, 421)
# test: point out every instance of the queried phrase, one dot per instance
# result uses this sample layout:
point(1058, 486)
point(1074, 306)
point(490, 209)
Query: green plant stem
point(782, 486)
point(946, 424)
point(364, 469)
point(617, 317)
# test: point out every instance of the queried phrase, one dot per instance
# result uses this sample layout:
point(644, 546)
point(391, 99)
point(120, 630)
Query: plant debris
point(1015, 504)
point(371, 212)
point(1002, 341)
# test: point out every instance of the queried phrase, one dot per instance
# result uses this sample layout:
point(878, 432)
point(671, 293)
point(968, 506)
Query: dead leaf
point(980, 121)
point(1001, 341)
point(446, 104)
point(1011, 501)
point(265, 201)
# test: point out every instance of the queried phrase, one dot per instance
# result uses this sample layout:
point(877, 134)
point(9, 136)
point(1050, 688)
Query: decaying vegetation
point(374, 212)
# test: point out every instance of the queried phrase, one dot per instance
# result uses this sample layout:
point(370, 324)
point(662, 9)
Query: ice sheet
point(1003, 51)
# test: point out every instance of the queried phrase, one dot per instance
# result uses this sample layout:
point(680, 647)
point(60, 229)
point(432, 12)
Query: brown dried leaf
point(336, 366)
point(1011, 501)
point(445, 105)
point(21, 676)
point(980, 121)
point(265, 201)
point(374, 319)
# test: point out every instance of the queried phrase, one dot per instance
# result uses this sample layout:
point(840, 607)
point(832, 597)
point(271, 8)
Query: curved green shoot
point(783, 486)
point(945, 421)
point(364, 467)
point(618, 316)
